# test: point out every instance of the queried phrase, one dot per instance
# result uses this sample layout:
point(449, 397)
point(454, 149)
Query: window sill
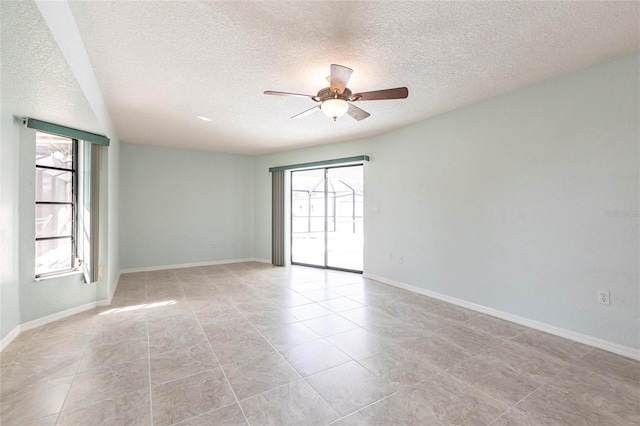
point(59, 275)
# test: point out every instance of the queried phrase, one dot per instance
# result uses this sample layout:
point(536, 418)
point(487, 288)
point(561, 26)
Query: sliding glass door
point(345, 197)
point(327, 217)
point(307, 217)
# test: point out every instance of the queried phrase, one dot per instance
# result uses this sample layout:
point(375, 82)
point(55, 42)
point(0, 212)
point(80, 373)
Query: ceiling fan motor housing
point(326, 93)
point(335, 100)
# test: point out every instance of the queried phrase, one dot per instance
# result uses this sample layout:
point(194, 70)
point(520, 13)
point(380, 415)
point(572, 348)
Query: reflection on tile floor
point(249, 343)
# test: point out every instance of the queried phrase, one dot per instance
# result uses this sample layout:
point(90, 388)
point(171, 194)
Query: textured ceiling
point(162, 64)
point(36, 79)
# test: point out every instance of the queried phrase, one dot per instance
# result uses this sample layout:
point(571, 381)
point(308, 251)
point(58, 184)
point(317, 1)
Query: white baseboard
point(257, 259)
point(176, 266)
point(55, 317)
point(9, 338)
point(192, 265)
point(42, 321)
point(616, 348)
point(107, 302)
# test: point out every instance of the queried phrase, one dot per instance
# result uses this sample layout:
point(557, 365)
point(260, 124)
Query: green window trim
point(66, 132)
point(320, 163)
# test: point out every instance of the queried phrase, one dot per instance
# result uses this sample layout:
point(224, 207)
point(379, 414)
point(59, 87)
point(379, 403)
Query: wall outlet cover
point(604, 297)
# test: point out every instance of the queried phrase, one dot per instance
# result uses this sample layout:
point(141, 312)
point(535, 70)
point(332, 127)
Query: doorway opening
point(327, 217)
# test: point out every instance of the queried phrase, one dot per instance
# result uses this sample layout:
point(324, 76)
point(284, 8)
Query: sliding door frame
point(325, 170)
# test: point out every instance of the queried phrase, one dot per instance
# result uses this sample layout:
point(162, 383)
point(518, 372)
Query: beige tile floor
point(254, 344)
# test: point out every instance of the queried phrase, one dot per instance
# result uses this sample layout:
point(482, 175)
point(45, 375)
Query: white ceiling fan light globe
point(334, 107)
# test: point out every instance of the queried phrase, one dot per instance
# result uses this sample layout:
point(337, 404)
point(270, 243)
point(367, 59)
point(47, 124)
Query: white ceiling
point(36, 79)
point(162, 64)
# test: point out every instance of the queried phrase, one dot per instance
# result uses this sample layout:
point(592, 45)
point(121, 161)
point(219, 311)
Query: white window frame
point(75, 171)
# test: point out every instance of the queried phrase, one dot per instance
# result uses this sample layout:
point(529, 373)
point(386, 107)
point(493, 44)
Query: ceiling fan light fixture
point(334, 107)
point(336, 100)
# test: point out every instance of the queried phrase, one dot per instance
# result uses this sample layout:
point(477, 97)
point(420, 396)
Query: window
point(56, 187)
point(68, 163)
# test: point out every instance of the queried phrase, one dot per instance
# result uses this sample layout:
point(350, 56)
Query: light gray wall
point(29, 49)
point(49, 296)
point(111, 244)
point(109, 247)
point(176, 203)
point(262, 182)
point(9, 223)
point(24, 299)
point(504, 203)
point(9, 192)
point(62, 26)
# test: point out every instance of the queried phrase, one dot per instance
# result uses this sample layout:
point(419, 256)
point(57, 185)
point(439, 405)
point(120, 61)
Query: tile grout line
point(476, 355)
point(569, 365)
point(235, 397)
point(352, 358)
point(219, 366)
point(533, 350)
point(289, 364)
point(536, 350)
point(447, 370)
point(480, 391)
point(70, 385)
point(361, 409)
point(3, 369)
point(84, 351)
point(439, 372)
point(146, 292)
point(454, 322)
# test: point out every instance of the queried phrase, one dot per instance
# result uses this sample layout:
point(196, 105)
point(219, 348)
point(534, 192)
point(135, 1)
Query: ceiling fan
point(337, 100)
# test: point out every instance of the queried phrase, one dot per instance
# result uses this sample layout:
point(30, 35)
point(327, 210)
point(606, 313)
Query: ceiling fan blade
point(307, 112)
point(357, 113)
point(396, 93)
point(271, 92)
point(339, 78)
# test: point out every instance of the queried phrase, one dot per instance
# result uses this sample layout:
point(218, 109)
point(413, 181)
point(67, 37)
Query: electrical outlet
point(213, 245)
point(390, 257)
point(604, 297)
point(400, 259)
